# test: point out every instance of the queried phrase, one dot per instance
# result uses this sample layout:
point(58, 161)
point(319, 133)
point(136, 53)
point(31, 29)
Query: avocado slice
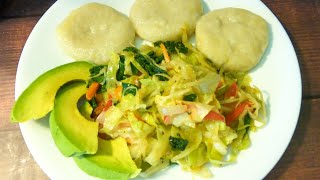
point(73, 134)
point(38, 99)
point(112, 161)
point(61, 141)
point(86, 110)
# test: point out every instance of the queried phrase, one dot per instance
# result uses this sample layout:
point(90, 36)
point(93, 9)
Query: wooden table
point(302, 22)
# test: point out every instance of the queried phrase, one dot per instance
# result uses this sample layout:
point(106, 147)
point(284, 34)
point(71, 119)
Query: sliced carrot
point(237, 112)
point(232, 91)
point(165, 52)
point(107, 105)
point(102, 106)
point(97, 110)
point(118, 92)
point(137, 115)
point(92, 90)
point(214, 116)
point(166, 120)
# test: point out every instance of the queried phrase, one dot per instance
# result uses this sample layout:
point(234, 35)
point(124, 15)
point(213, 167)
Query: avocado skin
point(112, 161)
point(38, 98)
point(73, 134)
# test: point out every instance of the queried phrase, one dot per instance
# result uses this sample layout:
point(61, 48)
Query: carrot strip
point(97, 110)
point(165, 52)
point(118, 92)
point(92, 90)
point(107, 105)
point(237, 112)
point(166, 120)
point(214, 116)
point(232, 91)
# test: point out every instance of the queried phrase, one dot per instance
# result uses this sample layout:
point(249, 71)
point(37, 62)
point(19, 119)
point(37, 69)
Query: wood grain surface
point(301, 20)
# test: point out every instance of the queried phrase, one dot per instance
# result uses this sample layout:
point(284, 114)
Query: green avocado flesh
point(61, 141)
point(73, 134)
point(38, 99)
point(86, 109)
point(112, 161)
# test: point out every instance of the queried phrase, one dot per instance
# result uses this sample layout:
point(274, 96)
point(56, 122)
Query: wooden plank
point(14, 33)
point(22, 8)
point(16, 160)
point(301, 159)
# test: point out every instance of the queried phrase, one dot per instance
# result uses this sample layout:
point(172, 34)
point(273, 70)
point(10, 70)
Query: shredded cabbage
point(214, 122)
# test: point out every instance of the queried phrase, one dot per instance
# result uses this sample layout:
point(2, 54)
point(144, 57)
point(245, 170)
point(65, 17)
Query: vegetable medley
point(173, 106)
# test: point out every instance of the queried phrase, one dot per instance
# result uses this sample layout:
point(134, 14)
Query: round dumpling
point(94, 31)
point(233, 39)
point(164, 20)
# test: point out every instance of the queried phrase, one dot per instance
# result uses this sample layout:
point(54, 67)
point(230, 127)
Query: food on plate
point(171, 105)
point(232, 38)
point(112, 161)
point(73, 134)
point(37, 99)
point(154, 106)
point(163, 20)
point(94, 31)
point(135, 111)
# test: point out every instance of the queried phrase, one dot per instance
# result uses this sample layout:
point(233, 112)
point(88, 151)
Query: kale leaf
point(129, 89)
point(190, 97)
point(150, 67)
point(93, 103)
point(98, 74)
point(131, 49)
point(134, 70)
point(156, 58)
point(120, 73)
point(178, 143)
point(173, 46)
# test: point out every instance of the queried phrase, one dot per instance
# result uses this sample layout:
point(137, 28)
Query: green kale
point(190, 97)
point(246, 121)
point(93, 103)
point(152, 54)
point(98, 74)
point(131, 49)
point(178, 143)
point(95, 70)
point(173, 46)
point(120, 73)
point(129, 89)
point(156, 58)
point(134, 70)
point(147, 64)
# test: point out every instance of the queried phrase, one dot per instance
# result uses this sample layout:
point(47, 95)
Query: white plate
point(277, 75)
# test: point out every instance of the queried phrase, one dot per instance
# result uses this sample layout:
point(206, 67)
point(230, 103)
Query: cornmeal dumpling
point(233, 39)
point(163, 20)
point(94, 31)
